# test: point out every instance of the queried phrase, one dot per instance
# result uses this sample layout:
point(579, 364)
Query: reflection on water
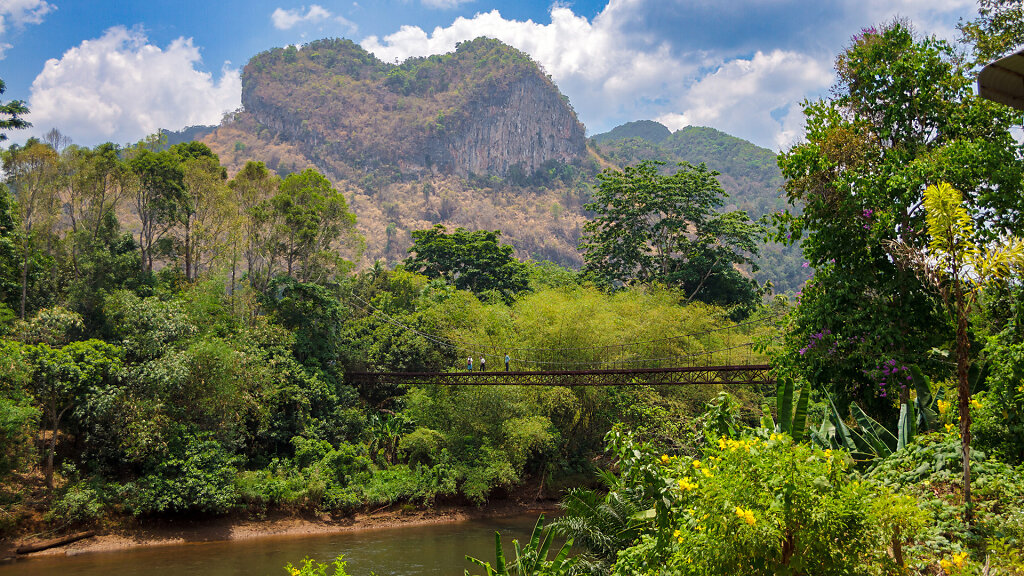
point(412, 550)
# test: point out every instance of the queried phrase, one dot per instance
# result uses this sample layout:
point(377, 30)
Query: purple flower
point(804, 264)
point(802, 351)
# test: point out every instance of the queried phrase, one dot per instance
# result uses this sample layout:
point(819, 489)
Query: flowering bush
point(764, 505)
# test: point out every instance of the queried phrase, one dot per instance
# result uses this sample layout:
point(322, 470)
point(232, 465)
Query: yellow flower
point(705, 472)
point(828, 452)
point(943, 406)
point(946, 565)
point(959, 558)
point(746, 515)
point(949, 427)
point(676, 533)
point(685, 484)
point(295, 572)
point(696, 463)
point(1020, 388)
point(976, 403)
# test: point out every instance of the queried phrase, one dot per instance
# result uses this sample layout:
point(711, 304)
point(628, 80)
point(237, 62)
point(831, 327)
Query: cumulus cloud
point(315, 14)
point(19, 13)
point(288, 19)
point(119, 87)
point(772, 83)
point(742, 67)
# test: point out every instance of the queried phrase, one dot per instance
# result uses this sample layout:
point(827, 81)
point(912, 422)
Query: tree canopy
point(473, 261)
point(650, 227)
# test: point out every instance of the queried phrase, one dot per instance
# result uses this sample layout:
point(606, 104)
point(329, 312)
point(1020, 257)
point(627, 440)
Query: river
point(438, 549)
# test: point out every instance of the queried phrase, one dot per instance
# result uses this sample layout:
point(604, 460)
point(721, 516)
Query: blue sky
point(102, 70)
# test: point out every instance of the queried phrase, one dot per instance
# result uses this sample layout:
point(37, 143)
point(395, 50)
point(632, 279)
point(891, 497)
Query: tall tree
point(157, 194)
point(32, 173)
point(206, 209)
point(958, 269)
point(253, 186)
point(311, 226)
point(902, 116)
point(651, 227)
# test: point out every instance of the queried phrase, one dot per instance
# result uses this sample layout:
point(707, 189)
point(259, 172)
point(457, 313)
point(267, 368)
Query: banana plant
point(870, 439)
point(791, 421)
point(531, 560)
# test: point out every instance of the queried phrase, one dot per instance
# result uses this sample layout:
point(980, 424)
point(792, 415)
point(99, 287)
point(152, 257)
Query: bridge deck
point(677, 376)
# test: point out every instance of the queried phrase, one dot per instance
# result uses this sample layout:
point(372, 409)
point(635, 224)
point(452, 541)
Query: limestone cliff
point(482, 109)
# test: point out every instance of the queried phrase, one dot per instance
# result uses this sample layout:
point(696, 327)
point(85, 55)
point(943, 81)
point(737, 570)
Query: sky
point(103, 70)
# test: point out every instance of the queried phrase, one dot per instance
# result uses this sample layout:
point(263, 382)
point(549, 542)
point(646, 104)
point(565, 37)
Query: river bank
point(176, 532)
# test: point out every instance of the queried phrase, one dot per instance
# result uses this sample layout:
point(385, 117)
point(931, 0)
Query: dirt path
point(169, 533)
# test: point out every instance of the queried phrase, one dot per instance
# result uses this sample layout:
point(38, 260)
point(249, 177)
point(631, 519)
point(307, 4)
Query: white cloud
point(119, 87)
point(315, 14)
point(636, 60)
point(741, 96)
point(20, 13)
point(444, 4)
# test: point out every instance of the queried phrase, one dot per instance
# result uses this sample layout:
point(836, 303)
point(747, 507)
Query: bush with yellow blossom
point(762, 505)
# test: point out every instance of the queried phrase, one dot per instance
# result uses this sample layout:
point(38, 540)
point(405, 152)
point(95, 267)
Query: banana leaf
point(872, 432)
point(799, 422)
point(784, 405)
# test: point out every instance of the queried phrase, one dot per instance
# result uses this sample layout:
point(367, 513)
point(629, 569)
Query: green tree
point(32, 173)
point(206, 212)
point(902, 116)
point(310, 225)
point(11, 114)
point(253, 186)
point(473, 261)
point(60, 377)
point(649, 227)
point(157, 195)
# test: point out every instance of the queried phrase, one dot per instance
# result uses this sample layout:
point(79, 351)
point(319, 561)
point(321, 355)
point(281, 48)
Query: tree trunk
point(964, 393)
point(24, 280)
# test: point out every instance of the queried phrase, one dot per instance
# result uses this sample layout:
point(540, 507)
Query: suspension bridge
point(718, 356)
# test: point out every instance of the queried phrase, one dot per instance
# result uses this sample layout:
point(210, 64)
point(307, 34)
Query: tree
point(60, 377)
point(253, 186)
point(157, 194)
point(649, 227)
point(11, 114)
point(31, 173)
point(902, 116)
point(959, 269)
point(998, 28)
point(473, 261)
point(206, 211)
point(309, 224)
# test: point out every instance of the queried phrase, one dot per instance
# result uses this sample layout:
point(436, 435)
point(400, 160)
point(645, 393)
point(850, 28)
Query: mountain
point(647, 130)
point(749, 174)
point(479, 138)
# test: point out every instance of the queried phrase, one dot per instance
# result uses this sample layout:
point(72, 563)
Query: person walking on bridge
point(506, 361)
point(469, 364)
point(483, 364)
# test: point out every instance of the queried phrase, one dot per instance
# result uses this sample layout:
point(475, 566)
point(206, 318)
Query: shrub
point(763, 506)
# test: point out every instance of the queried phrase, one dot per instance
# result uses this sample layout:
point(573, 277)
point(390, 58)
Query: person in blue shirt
point(506, 362)
point(469, 364)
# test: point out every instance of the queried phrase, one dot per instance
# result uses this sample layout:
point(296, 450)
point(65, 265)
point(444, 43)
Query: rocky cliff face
point(484, 109)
